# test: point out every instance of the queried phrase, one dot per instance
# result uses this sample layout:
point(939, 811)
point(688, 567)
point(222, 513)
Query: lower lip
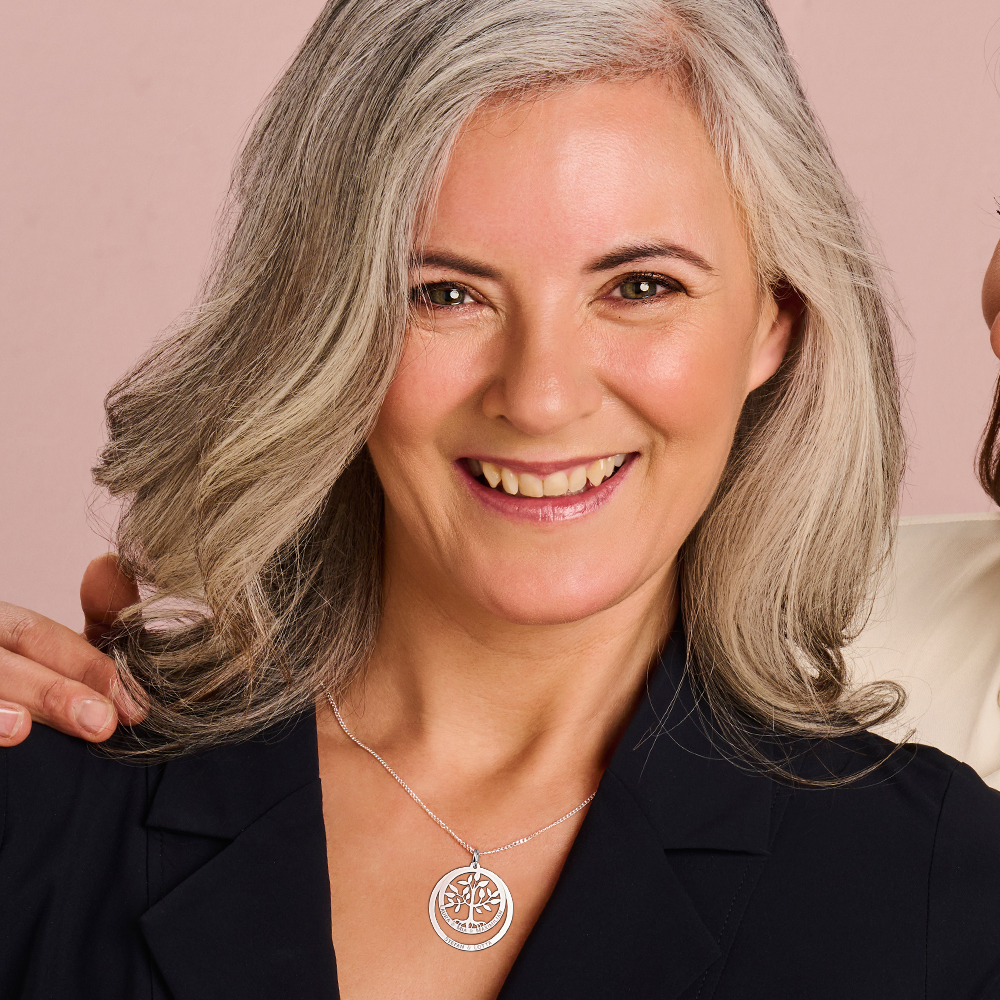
point(545, 509)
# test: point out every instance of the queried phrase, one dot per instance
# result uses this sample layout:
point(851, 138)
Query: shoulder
point(963, 920)
point(937, 561)
point(65, 799)
point(92, 845)
point(909, 855)
point(936, 630)
point(73, 864)
point(908, 786)
point(947, 569)
point(51, 777)
point(51, 781)
point(943, 539)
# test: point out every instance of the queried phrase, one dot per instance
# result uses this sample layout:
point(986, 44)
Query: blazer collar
point(238, 855)
point(680, 774)
point(251, 914)
point(621, 921)
point(222, 792)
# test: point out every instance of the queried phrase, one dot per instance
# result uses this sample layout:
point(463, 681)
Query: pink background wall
point(120, 119)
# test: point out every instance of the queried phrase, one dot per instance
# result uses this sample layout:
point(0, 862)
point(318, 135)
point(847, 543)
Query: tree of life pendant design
point(471, 900)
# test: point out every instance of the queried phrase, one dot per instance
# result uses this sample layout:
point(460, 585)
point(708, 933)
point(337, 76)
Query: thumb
point(104, 592)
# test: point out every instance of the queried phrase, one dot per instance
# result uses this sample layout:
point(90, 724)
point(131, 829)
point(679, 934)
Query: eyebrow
point(453, 262)
point(632, 252)
point(626, 254)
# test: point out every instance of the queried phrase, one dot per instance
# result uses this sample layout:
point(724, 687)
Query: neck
point(450, 686)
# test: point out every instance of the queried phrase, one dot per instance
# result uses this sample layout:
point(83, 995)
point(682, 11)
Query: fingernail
point(92, 715)
point(10, 721)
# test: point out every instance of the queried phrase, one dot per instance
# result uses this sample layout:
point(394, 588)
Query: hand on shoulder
point(51, 674)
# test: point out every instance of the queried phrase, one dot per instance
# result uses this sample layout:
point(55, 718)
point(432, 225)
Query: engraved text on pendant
point(470, 900)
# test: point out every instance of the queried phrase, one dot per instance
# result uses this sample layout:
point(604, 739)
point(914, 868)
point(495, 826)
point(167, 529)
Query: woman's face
point(583, 291)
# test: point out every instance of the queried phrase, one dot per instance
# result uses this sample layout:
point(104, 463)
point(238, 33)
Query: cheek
point(436, 381)
point(687, 382)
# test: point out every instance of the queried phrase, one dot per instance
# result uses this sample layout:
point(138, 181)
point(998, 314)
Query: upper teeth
point(556, 484)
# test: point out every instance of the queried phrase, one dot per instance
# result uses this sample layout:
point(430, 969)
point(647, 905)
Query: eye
point(441, 294)
point(645, 286)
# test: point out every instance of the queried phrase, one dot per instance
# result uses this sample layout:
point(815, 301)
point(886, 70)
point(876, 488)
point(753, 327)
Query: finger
point(15, 723)
point(104, 592)
point(60, 650)
point(55, 646)
point(132, 707)
point(58, 701)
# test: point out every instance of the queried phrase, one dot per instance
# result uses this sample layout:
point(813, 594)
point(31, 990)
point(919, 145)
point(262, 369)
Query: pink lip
point(544, 509)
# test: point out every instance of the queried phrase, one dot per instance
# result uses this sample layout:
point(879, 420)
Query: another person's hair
point(254, 522)
point(988, 459)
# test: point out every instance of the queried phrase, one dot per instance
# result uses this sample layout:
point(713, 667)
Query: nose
point(545, 380)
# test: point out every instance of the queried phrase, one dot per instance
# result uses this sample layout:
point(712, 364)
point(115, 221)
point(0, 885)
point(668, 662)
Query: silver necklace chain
point(476, 854)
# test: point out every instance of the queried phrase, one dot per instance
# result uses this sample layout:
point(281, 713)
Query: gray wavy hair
point(254, 517)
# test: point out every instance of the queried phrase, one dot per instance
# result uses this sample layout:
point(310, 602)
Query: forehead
point(590, 165)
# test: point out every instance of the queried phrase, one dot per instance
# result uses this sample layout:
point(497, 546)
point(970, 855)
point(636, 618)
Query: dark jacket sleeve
point(963, 921)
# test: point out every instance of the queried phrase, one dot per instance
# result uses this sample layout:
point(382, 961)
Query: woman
point(538, 324)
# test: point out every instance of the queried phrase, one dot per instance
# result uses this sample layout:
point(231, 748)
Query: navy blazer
point(206, 878)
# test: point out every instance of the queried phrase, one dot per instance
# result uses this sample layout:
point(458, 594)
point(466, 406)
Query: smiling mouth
point(565, 482)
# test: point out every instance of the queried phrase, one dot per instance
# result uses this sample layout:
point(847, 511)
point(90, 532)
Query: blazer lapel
point(648, 903)
point(618, 918)
point(653, 890)
point(239, 869)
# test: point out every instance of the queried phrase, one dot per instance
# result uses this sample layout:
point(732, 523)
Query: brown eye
point(639, 288)
point(441, 295)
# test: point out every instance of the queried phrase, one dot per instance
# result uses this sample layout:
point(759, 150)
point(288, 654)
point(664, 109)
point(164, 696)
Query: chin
point(555, 598)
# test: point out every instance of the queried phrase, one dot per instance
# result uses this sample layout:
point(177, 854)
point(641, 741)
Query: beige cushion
point(937, 632)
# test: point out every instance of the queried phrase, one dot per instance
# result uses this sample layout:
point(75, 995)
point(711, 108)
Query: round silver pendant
point(470, 900)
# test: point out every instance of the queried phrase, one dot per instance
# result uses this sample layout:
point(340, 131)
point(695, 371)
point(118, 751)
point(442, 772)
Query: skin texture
point(51, 674)
point(512, 651)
